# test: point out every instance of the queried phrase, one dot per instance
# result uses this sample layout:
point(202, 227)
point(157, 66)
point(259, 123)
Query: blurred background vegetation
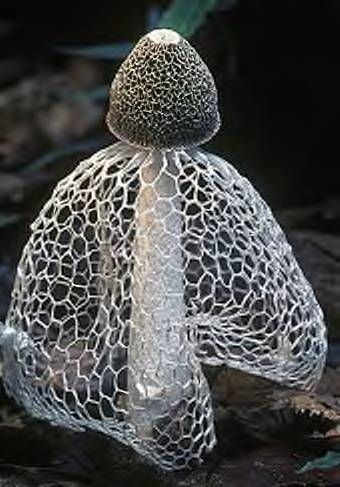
point(276, 68)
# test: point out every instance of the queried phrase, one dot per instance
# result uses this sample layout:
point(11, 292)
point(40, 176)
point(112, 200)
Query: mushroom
point(151, 259)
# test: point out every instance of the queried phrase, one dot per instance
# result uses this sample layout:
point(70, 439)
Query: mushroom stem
point(157, 334)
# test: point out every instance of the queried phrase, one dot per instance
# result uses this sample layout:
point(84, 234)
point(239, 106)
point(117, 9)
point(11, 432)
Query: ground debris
point(319, 256)
point(35, 453)
point(11, 187)
point(45, 110)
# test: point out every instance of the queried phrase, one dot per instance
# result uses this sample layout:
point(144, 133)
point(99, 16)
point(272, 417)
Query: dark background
point(275, 64)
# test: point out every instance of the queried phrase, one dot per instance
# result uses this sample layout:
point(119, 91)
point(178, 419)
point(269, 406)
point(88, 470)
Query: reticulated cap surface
point(163, 96)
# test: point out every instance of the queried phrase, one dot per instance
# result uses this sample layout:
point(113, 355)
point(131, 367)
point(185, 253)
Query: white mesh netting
point(140, 267)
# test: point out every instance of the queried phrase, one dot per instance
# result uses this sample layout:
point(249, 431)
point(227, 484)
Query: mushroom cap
point(163, 95)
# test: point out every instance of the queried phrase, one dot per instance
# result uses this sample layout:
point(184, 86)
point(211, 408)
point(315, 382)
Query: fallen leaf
point(330, 460)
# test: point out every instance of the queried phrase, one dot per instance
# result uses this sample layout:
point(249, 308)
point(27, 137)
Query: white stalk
point(157, 333)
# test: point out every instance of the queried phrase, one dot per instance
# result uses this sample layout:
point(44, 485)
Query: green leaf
point(186, 17)
point(152, 17)
point(113, 52)
point(96, 94)
point(8, 218)
point(330, 460)
point(53, 156)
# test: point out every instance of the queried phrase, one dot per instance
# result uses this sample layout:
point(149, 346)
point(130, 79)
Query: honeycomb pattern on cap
point(163, 95)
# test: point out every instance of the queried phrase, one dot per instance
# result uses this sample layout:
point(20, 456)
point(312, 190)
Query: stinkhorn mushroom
point(150, 259)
